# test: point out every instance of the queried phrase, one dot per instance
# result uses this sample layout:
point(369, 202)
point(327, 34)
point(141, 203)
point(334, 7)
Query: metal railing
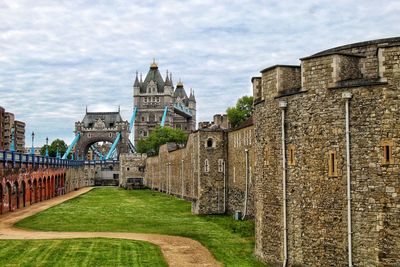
point(16, 159)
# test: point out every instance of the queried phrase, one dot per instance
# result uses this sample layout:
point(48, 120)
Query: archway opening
point(99, 150)
point(1, 199)
point(23, 188)
point(8, 196)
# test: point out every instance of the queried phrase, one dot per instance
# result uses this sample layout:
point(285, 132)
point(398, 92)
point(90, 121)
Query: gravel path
point(178, 251)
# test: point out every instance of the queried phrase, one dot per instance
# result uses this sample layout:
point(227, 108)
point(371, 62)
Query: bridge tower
point(101, 127)
point(153, 94)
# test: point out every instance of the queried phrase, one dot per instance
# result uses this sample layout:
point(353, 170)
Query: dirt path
point(178, 251)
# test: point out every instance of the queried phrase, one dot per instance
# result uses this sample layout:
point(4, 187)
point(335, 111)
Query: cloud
point(57, 57)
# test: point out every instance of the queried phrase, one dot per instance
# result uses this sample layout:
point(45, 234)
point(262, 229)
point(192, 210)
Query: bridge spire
point(136, 84)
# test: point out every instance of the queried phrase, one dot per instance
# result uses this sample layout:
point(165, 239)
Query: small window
point(110, 134)
point(209, 142)
point(291, 155)
point(127, 168)
point(142, 118)
point(206, 166)
point(220, 165)
point(266, 156)
point(387, 150)
point(332, 164)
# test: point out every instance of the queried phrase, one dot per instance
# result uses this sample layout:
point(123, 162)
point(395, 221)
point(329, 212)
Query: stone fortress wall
point(208, 170)
point(296, 158)
point(311, 99)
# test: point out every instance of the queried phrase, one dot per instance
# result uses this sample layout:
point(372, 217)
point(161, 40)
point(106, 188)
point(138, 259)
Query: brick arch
point(30, 190)
point(23, 193)
point(52, 182)
point(8, 196)
point(1, 198)
point(40, 191)
point(15, 194)
point(48, 188)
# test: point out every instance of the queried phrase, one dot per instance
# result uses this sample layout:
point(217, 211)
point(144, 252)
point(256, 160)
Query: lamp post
point(33, 148)
point(47, 147)
point(57, 153)
point(12, 146)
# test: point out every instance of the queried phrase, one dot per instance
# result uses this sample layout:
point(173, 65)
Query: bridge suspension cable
point(71, 146)
point(164, 116)
point(114, 145)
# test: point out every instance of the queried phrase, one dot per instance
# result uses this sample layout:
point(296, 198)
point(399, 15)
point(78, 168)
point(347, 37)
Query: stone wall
point(315, 151)
point(131, 166)
point(199, 171)
point(241, 167)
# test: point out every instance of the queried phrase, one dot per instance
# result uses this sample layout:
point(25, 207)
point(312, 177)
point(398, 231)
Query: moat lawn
point(79, 252)
point(145, 211)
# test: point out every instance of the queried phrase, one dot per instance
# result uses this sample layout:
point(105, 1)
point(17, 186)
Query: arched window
point(206, 166)
point(210, 142)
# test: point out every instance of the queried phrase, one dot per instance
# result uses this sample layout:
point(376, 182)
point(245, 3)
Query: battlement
point(354, 65)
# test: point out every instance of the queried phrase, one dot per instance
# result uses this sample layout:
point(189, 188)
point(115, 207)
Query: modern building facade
point(8, 126)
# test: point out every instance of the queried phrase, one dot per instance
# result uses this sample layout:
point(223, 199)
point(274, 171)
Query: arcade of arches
point(22, 190)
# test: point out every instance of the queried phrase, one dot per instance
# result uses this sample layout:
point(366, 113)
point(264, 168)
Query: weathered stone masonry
point(316, 157)
point(210, 170)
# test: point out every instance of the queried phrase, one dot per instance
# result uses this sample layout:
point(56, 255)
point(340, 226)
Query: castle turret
point(136, 90)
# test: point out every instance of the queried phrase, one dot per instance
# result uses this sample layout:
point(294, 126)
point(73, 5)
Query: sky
point(57, 57)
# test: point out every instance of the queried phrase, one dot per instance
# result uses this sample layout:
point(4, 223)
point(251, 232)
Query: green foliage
point(242, 111)
point(145, 211)
point(160, 136)
point(80, 252)
point(62, 147)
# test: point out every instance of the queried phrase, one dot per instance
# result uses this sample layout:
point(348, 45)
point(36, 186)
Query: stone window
point(387, 149)
point(266, 156)
point(127, 168)
point(110, 134)
point(291, 155)
point(332, 164)
point(142, 118)
point(144, 133)
point(210, 143)
point(220, 165)
point(250, 137)
point(206, 166)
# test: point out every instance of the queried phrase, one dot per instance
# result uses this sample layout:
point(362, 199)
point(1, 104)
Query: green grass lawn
point(145, 211)
point(79, 252)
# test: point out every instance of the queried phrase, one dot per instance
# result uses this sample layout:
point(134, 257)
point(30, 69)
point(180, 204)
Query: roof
point(336, 50)
point(155, 76)
point(180, 91)
point(245, 124)
point(109, 118)
point(278, 66)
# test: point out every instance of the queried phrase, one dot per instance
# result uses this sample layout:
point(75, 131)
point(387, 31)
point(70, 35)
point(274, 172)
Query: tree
point(242, 111)
point(158, 137)
point(62, 147)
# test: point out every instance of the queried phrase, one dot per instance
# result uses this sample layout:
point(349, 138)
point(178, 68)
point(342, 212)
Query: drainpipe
point(169, 178)
point(224, 166)
point(182, 177)
point(247, 184)
point(347, 96)
point(282, 106)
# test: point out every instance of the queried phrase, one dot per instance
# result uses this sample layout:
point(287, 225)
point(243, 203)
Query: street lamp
point(47, 147)
point(33, 148)
point(57, 153)
point(12, 146)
